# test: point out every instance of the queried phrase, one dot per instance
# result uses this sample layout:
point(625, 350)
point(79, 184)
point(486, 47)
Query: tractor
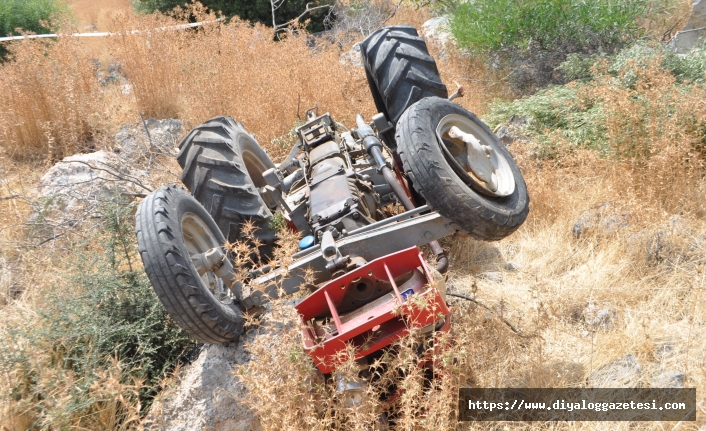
point(363, 198)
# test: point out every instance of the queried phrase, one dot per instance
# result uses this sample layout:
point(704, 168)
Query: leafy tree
point(251, 10)
point(29, 15)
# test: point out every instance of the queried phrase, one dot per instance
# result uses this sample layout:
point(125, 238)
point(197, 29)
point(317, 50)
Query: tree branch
point(392, 14)
point(292, 21)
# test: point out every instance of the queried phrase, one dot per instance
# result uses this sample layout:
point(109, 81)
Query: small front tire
point(172, 229)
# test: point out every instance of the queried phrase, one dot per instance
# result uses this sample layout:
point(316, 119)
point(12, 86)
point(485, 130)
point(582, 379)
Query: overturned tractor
point(359, 261)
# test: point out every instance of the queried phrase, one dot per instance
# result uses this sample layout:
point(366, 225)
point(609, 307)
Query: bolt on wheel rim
point(198, 240)
point(475, 156)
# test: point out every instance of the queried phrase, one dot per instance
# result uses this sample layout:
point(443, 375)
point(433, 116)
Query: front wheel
point(462, 169)
point(174, 231)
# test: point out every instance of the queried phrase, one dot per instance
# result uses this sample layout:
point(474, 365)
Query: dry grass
point(99, 15)
point(55, 106)
point(49, 101)
point(650, 270)
point(657, 293)
point(672, 17)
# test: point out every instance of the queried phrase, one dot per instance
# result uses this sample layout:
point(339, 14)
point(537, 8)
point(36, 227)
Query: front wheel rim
point(475, 156)
point(199, 239)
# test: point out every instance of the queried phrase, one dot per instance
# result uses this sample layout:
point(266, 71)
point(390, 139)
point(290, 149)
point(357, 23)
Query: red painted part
point(291, 226)
point(405, 185)
point(413, 305)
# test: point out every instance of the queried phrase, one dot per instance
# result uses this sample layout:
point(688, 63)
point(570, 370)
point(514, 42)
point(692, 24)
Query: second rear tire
point(400, 70)
point(222, 168)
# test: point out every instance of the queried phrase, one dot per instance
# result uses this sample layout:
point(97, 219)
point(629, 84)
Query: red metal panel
point(377, 324)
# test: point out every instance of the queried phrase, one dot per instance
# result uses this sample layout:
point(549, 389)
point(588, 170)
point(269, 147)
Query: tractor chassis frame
point(373, 242)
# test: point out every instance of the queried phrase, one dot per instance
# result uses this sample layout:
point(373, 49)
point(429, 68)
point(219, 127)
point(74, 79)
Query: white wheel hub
point(475, 156)
point(199, 241)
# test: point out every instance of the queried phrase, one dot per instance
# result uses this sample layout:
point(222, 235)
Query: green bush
point(532, 37)
point(29, 15)
point(492, 25)
point(690, 67)
point(107, 315)
point(552, 113)
point(606, 110)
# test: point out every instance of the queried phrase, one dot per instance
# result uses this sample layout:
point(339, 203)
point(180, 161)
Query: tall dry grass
point(54, 105)
point(49, 101)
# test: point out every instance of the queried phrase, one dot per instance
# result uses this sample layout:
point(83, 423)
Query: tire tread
point(171, 273)
point(214, 172)
point(400, 69)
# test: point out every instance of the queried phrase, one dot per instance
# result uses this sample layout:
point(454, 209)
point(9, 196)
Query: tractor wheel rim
point(198, 239)
point(475, 156)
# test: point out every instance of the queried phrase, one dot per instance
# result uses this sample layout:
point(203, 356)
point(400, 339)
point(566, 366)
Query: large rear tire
point(400, 70)
point(444, 171)
point(223, 166)
point(172, 229)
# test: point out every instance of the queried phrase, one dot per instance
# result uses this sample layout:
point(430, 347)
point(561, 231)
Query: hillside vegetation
point(29, 15)
point(613, 162)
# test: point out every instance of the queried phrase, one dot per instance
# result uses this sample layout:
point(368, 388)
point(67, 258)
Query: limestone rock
point(694, 32)
point(206, 395)
point(599, 318)
point(493, 276)
point(438, 31)
point(621, 373)
point(513, 266)
point(84, 180)
point(668, 379)
point(133, 145)
point(352, 58)
point(600, 220)
point(513, 131)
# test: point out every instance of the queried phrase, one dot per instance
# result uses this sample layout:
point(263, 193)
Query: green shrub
point(631, 105)
point(492, 25)
point(690, 67)
point(29, 15)
point(532, 37)
point(105, 334)
point(577, 67)
point(555, 116)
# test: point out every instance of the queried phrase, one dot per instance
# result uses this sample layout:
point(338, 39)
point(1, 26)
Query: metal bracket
point(370, 245)
point(381, 123)
point(334, 259)
point(216, 261)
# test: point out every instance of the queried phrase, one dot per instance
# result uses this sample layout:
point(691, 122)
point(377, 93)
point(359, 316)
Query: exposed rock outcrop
point(83, 180)
point(694, 32)
point(133, 144)
point(206, 395)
